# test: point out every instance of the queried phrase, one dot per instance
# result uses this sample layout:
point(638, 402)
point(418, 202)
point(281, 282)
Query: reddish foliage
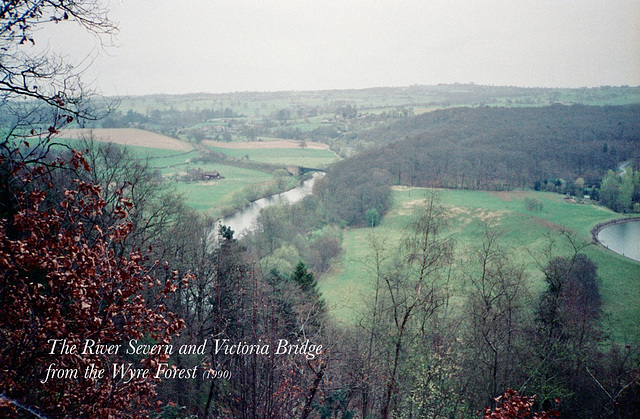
point(511, 405)
point(56, 283)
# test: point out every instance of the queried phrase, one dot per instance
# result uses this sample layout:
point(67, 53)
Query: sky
point(219, 46)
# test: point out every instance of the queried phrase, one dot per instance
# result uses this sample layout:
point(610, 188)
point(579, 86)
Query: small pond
point(623, 238)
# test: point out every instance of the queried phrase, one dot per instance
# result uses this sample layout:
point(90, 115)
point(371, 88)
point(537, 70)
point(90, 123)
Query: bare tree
point(410, 287)
point(373, 327)
point(496, 318)
point(40, 91)
point(28, 72)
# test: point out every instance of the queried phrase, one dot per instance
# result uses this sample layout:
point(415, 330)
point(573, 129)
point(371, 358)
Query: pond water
point(623, 238)
point(242, 222)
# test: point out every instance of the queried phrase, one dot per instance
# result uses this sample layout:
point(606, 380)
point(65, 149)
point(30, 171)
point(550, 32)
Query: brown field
point(266, 144)
point(129, 136)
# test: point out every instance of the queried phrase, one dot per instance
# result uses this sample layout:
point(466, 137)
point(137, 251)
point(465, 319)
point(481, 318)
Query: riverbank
point(242, 220)
point(247, 196)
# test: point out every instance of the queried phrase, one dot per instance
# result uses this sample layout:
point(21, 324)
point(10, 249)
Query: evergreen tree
point(305, 279)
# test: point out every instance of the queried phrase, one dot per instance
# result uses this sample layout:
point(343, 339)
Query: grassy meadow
point(524, 234)
point(306, 157)
point(214, 196)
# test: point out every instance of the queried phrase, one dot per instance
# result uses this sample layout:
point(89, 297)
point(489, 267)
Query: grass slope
point(523, 235)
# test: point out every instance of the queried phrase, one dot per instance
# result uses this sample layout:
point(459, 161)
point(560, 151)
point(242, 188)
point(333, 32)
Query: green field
point(283, 156)
point(523, 235)
point(211, 196)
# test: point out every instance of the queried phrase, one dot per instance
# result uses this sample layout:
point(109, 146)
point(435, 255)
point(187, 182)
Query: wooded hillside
point(498, 148)
point(483, 148)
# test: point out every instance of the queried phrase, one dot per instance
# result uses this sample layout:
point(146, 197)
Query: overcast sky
point(220, 46)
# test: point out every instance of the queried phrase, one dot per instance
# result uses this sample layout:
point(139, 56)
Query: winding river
point(242, 221)
point(622, 238)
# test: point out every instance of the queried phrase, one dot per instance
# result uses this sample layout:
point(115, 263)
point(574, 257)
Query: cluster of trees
point(231, 298)
point(576, 187)
point(621, 192)
point(285, 235)
point(352, 189)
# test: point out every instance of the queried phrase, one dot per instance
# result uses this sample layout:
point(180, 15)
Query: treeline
point(497, 148)
point(621, 191)
point(173, 118)
point(350, 189)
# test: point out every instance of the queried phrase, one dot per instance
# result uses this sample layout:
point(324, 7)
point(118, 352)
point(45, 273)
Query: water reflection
point(623, 238)
point(242, 222)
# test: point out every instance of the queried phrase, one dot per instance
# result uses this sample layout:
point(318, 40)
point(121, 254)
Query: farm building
point(198, 175)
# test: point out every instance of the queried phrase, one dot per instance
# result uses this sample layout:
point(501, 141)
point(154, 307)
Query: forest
point(121, 300)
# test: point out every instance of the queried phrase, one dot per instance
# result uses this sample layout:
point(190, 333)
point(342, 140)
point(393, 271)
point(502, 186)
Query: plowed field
point(129, 136)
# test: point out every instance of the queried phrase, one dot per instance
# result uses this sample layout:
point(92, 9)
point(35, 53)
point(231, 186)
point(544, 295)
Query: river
point(622, 238)
point(242, 221)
